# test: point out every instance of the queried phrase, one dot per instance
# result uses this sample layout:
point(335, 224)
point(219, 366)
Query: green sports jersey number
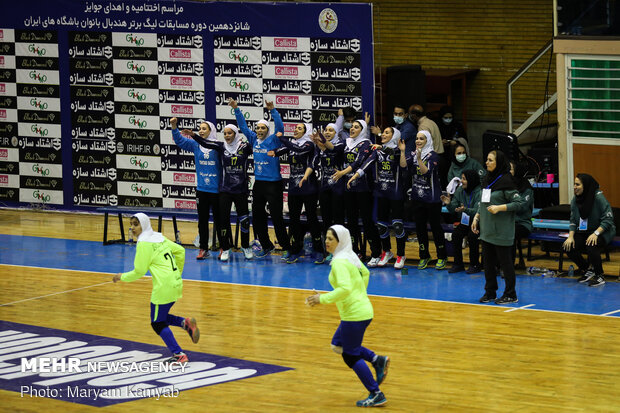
point(386, 166)
point(350, 158)
point(169, 257)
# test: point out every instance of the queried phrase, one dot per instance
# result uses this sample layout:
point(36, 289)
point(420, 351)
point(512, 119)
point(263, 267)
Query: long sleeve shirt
point(600, 216)
point(469, 201)
point(355, 157)
point(384, 165)
point(499, 229)
point(524, 213)
point(349, 293)
point(165, 261)
point(300, 158)
point(327, 162)
point(208, 167)
point(234, 165)
point(266, 168)
point(408, 132)
point(426, 186)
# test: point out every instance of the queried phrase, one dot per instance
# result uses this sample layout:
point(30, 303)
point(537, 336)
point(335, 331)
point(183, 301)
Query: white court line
point(319, 290)
point(612, 312)
point(519, 308)
point(61, 292)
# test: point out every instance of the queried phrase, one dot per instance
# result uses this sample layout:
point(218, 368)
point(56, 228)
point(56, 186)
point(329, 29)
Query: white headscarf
point(212, 136)
point(264, 122)
point(306, 138)
point(336, 137)
point(147, 234)
point(428, 148)
point(363, 136)
point(234, 145)
point(344, 250)
point(393, 143)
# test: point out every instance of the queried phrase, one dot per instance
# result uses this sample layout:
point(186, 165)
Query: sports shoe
point(586, 277)
point(292, 258)
point(189, 325)
point(423, 263)
point(225, 255)
point(441, 264)
point(400, 262)
point(596, 281)
point(381, 365)
point(263, 252)
point(473, 269)
point(374, 261)
point(179, 358)
point(285, 255)
point(386, 256)
point(248, 253)
point(486, 298)
point(456, 268)
point(202, 254)
point(319, 258)
point(373, 399)
point(506, 300)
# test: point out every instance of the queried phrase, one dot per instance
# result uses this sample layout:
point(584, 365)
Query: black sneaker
point(373, 399)
point(381, 365)
point(474, 269)
point(596, 281)
point(456, 268)
point(586, 277)
point(486, 298)
point(506, 300)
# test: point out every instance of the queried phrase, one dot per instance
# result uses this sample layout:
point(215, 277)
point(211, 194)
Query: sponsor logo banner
point(176, 54)
point(134, 39)
point(181, 82)
point(286, 72)
point(7, 35)
point(238, 84)
point(9, 181)
point(233, 56)
point(179, 203)
point(139, 189)
point(47, 170)
point(237, 42)
point(40, 196)
point(37, 77)
point(36, 49)
point(249, 112)
point(301, 44)
point(139, 162)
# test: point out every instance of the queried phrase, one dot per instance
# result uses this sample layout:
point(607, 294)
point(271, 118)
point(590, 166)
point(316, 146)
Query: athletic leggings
point(425, 212)
point(263, 193)
point(361, 203)
point(295, 204)
point(492, 254)
point(205, 203)
point(460, 232)
point(332, 211)
point(389, 212)
point(594, 253)
point(241, 206)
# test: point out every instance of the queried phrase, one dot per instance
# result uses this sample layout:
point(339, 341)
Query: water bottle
point(307, 244)
point(548, 273)
point(571, 271)
point(129, 235)
point(536, 270)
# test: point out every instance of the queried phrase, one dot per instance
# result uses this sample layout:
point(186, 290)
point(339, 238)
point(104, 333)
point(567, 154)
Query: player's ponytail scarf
point(344, 250)
point(147, 233)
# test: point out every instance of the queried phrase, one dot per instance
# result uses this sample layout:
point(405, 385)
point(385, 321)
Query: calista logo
point(182, 110)
point(4, 154)
point(287, 70)
point(4, 179)
point(180, 81)
point(183, 178)
point(287, 100)
point(1, 60)
point(180, 54)
point(283, 42)
point(2, 88)
point(184, 204)
point(3, 113)
point(1, 34)
point(289, 128)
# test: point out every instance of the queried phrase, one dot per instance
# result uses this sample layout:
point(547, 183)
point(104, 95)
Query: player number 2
point(171, 258)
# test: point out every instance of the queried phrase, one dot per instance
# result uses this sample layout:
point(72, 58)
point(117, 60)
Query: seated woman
point(462, 161)
point(591, 229)
point(465, 202)
point(523, 219)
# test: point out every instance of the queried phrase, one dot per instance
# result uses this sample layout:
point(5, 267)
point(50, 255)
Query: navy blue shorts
point(159, 312)
point(349, 335)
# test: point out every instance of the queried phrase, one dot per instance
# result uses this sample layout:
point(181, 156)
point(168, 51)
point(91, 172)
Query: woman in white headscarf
point(358, 196)
point(349, 278)
point(384, 165)
point(268, 188)
point(423, 164)
point(208, 175)
point(234, 153)
point(302, 191)
point(165, 260)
